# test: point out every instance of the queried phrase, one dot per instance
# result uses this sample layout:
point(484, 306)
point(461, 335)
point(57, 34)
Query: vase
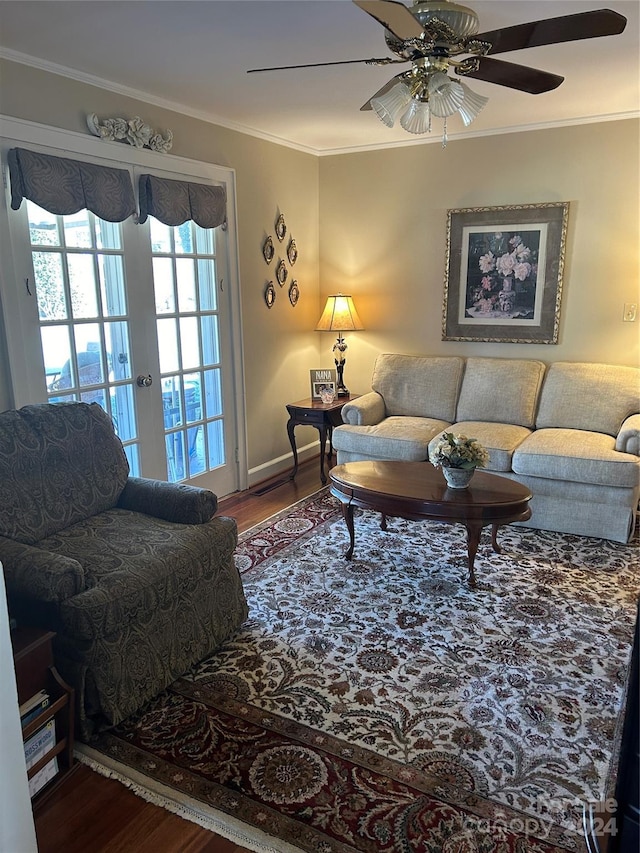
point(458, 478)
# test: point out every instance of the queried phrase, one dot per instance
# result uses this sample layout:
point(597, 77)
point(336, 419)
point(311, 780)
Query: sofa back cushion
point(500, 390)
point(594, 397)
point(418, 386)
point(59, 464)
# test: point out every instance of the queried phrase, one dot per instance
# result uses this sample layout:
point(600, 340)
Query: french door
point(137, 318)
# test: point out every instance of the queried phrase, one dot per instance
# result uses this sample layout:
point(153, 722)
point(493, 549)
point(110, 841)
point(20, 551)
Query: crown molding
point(212, 118)
point(146, 98)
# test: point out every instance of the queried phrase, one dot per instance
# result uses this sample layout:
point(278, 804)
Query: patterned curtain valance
point(64, 186)
point(175, 202)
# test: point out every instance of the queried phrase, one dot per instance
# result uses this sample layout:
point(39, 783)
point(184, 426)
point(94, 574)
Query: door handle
point(144, 381)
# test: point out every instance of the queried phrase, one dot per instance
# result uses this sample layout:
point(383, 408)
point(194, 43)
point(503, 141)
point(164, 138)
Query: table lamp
point(339, 316)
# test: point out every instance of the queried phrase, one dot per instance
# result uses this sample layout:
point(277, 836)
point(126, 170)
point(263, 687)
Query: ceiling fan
point(432, 34)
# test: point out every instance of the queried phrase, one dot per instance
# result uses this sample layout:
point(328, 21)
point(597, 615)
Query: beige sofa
point(568, 431)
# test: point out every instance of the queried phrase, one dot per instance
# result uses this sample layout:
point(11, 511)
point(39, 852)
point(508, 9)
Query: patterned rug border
point(160, 795)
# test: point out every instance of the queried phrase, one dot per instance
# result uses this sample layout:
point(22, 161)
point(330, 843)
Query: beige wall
point(383, 229)
point(373, 224)
point(279, 344)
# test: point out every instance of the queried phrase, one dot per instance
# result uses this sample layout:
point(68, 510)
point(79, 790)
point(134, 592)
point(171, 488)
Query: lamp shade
point(339, 315)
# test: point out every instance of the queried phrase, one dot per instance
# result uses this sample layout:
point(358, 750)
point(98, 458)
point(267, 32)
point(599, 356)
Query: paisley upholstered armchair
point(136, 576)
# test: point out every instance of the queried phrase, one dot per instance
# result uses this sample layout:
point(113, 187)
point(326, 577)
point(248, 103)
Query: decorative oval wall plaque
point(281, 273)
point(294, 293)
point(270, 294)
point(281, 228)
point(268, 250)
point(292, 251)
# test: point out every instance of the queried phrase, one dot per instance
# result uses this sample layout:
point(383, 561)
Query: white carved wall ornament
point(133, 131)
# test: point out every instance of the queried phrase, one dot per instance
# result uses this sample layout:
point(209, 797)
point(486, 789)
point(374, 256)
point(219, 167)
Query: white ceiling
point(193, 56)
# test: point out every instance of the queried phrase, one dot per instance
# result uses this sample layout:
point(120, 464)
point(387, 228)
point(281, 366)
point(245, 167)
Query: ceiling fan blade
point(394, 16)
point(583, 25)
point(384, 61)
point(530, 80)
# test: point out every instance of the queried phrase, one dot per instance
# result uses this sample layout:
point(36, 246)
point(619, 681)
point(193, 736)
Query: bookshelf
point(35, 671)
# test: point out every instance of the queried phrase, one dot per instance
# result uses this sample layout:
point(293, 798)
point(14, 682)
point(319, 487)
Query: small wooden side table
point(324, 417)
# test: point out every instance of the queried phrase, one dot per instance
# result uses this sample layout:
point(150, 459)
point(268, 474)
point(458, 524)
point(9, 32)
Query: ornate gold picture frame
point(504, 269)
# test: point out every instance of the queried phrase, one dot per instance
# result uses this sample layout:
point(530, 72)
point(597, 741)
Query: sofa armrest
point(364, 411)
point(174, 502)
point(628, 439)
point(33, 573)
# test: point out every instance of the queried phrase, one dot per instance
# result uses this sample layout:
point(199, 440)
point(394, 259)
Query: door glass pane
point(207, 284)
point(168, 345)
point(187, 341)
point(52, 300)
point(210, 339)
point(77, 230)
point(186, 285)
point(163, 285)
point(213, 395)
point(82, 284)
point(43, 226)
point(56, 350)
point(86, 357)
point(216, 443)
point(112, 285)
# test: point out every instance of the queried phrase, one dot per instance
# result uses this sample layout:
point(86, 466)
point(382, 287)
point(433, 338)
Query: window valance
point(65, 186)
point(175, 202)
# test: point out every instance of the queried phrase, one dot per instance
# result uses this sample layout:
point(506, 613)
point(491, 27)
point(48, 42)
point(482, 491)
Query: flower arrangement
point(458, 451)
point(508, 270)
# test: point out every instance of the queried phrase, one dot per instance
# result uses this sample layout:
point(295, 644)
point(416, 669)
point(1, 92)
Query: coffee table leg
point(347, 514)
point(473, 539)
point(494, 539)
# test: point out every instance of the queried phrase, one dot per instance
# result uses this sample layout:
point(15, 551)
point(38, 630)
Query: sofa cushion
point(500, 440)
point(576, 455)
point(403, 438)
point(502, 390)
point(418, 386)
point(59, 464)
point(593, 397)
point(127, 575)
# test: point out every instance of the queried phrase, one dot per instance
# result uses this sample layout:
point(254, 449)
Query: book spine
point(41, 742)
point(46, 774)
point(35, 711)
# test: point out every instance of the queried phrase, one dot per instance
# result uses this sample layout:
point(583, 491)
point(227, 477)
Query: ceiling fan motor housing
point(462, 20)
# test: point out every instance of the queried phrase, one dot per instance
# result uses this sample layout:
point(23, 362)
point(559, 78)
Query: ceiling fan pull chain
point(444, 134)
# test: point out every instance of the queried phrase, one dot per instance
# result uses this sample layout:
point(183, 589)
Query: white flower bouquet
point(458, 451)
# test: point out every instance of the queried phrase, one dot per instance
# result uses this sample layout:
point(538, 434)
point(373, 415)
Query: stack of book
point(44, 739)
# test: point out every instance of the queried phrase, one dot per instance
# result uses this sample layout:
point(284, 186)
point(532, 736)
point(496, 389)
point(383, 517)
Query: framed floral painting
point(504, 268)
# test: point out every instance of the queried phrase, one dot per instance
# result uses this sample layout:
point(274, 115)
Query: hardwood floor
point(92, 814)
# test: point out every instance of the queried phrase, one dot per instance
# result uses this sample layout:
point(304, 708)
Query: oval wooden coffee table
point(417, 491)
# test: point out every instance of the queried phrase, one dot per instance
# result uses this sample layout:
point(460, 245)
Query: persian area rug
point(381, 706)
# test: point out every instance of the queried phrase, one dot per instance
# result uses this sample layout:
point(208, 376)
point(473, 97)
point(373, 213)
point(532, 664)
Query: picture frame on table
point(503, 273)
point(323, 379)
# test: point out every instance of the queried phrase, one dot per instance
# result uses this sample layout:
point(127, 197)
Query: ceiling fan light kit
point(431, 33)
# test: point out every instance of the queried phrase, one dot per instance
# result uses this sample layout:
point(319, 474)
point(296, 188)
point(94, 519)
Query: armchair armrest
point(364, 411)
point(174, 502)
point(628, 439)
point(36, 574)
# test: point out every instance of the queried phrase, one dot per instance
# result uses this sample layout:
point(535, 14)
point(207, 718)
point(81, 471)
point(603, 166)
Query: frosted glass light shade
point(389, 105)
point(417, 118)
point(471, 105)
point(445, 95)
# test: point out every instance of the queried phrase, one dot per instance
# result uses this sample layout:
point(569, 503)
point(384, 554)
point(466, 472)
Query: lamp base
point(340, 389)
